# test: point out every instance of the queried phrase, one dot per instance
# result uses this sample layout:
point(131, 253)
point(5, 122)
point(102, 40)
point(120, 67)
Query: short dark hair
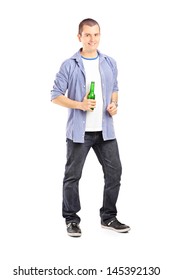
point(87, 21)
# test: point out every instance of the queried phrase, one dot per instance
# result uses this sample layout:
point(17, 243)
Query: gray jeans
point(108, 156)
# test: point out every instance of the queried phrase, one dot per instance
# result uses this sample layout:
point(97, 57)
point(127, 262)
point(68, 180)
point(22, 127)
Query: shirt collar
point(77, 56)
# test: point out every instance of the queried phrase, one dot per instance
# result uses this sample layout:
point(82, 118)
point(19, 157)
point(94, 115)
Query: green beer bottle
point(91, 94)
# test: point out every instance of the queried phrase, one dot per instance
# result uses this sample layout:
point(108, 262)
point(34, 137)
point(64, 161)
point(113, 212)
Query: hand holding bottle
point(88, 104)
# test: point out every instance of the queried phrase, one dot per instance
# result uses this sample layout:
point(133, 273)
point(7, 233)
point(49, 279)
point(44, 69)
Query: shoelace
point(73, 224)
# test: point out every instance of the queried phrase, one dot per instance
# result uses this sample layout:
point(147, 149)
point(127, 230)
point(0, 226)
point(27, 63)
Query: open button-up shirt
point(70, 80)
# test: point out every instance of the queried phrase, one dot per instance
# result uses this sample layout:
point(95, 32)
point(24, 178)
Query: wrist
point(79, 105)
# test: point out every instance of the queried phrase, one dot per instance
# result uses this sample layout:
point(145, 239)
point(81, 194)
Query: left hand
point(112, 109)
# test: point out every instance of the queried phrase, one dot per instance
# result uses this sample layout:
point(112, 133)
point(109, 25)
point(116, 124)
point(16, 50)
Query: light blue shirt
point(71, 80)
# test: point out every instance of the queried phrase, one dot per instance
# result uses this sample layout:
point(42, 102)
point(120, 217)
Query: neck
point(88, 54)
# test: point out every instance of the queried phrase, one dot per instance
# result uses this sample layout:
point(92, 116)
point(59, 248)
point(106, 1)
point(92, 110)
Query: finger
point(91, 102)
point(109, 107)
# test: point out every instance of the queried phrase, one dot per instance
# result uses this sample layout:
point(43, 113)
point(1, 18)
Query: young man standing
point(89, 125)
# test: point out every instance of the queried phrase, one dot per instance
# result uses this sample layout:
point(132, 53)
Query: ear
point(79, 37)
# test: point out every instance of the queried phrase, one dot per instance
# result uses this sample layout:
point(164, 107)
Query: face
point(90, 38)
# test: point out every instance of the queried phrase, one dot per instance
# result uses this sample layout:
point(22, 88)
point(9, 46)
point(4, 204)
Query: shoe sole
point(74, 234)
point(117, 230)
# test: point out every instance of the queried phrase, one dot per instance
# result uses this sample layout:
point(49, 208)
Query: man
point(89, 125)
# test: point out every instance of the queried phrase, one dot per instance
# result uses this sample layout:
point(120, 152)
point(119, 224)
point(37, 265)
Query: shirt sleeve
point(61, 82)
point(112, 63)
point(115, 71)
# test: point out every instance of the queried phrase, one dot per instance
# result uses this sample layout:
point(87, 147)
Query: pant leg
point(108, 155)
point(76, 155)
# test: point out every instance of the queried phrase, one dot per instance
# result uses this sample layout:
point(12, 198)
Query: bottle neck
point(92, 86)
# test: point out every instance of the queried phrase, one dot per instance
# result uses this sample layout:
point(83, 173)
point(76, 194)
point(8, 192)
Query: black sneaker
point(115, 225)
point(73, 230)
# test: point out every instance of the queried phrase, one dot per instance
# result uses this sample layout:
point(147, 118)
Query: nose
point(92, 37)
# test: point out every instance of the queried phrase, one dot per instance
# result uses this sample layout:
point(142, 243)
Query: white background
point(36, 36)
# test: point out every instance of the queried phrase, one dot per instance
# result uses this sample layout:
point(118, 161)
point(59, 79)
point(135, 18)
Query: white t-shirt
point(94, 118)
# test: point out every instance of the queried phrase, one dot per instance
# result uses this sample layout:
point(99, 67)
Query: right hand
point(87, 104)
